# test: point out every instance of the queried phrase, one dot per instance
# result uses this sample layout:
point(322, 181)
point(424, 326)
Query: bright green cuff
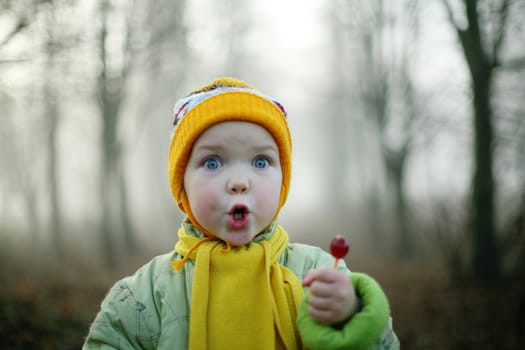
point(360, 332)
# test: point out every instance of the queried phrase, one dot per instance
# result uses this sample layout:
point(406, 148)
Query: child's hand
point(332, 295)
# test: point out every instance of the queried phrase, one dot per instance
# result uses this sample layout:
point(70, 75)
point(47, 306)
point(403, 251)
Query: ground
point(429, 311)
point(432, 313)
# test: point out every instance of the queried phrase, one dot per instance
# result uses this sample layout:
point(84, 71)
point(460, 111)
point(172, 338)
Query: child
point(234, 281)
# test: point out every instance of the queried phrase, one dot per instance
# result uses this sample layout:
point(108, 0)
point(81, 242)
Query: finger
point(320, 303)
point(321, 289)
point(325, 274)
point(308, 279)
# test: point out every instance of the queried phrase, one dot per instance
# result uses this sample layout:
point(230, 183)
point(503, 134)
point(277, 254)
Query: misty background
point(407, 120)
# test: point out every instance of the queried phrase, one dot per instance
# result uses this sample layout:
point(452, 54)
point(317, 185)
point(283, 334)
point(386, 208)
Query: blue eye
point(260, 162)
point(212, 163)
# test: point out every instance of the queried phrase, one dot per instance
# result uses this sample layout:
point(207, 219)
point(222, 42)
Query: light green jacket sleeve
point(148, 310)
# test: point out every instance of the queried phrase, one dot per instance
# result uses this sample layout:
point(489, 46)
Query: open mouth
point(239, 212)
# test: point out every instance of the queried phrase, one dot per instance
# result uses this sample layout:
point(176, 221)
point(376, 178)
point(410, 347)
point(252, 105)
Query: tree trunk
point(51, 117)
point(486, 259)
point(127, 227)
point(481, 62)
point(108, 183)
point(30, 199)
point(113, 191)
point(395, 164)
point(107, 150)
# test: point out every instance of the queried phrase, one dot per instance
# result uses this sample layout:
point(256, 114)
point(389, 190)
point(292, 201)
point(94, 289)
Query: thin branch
point(450, 15)
point(503, 15)
point(22, 23)
point(14, 60)
point(462, 33)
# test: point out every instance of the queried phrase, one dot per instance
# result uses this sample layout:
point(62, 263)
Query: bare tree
point(51, 116)
point(14, 180)
point(340, 117)
point(384, 37)
point(393, 104)
point(111, 86)
point(153, 36)
point(18, 183)
point(482, 51)
point(45, 52)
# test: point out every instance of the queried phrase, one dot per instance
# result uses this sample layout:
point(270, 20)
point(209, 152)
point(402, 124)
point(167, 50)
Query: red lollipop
point(339, 247)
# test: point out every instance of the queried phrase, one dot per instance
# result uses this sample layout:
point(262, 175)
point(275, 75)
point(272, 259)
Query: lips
point(238, 216)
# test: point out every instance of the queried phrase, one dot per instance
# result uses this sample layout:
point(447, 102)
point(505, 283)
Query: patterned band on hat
point(186, 104)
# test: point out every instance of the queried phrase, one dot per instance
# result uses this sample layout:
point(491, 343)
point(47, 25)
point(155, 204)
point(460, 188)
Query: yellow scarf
point(242, 298)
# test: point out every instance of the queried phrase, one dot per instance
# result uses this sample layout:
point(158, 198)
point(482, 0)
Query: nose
point(238, 184)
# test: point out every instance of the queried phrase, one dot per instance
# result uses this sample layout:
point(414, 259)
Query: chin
point(238, 239)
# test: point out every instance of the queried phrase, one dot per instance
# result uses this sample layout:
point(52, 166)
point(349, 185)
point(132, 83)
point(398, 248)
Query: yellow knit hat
point(224, 99)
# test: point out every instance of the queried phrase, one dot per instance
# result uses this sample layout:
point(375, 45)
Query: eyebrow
point(209, 147)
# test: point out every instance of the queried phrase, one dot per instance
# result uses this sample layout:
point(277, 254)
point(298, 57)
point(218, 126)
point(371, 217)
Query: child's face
point(233, 180)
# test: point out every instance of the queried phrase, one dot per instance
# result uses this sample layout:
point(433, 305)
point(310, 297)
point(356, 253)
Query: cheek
point(269, 196)
point(203, 201)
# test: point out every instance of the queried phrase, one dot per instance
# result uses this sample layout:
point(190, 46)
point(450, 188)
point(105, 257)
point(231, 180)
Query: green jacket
point(151, 309)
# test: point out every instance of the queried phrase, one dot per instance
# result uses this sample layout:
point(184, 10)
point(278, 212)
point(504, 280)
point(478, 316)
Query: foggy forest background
point(408, 128)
